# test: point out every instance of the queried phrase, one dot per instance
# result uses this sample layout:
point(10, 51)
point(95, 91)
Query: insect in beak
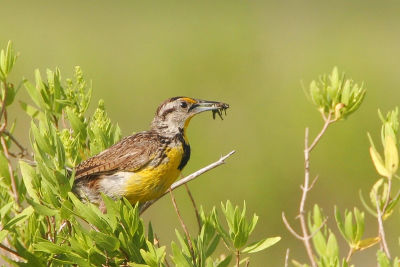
point(215, 107)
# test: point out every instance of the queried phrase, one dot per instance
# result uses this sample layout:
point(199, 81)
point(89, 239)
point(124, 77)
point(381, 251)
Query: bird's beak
point(204, 105)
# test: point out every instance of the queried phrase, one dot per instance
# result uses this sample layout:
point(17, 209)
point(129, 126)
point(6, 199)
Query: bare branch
point(319, 228)
point(237, 253)
point(305, 187)
point(18, 144)
point(9, 250)
point(380, 223)
point(189, 240)
point(10, 170)
point(287, 258)
point(328, 121)
point(291, 230)
point(313, 182)
point(3, 106)
point(351, 251)
point(187, 179)
point(194, 207)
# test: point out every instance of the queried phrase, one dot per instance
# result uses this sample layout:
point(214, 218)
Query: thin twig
point(9, 250)
point(380, 225)
point(328, 121)
point(18, 144)
point(306, 241)
point(11, 171)
point(187, 179)
point(189, 240)
point(64, 224)
point(351, 251)
point(237, 257)
point(3, 101)
point(319, 228)
point(305, 236)
point(387, 196)
point(287, 258)
point(49, 237)
point(291, 230)
point(313, 183)
point(194, 206)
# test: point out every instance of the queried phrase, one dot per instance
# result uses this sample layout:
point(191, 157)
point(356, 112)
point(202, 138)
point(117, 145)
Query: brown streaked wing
point(131, 153)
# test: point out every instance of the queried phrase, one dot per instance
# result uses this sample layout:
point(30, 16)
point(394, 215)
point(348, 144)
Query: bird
point(143, 166)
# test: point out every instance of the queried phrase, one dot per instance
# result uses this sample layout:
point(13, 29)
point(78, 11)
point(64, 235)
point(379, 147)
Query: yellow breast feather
point(153, 181)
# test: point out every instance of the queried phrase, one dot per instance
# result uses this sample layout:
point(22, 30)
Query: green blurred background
point(252, 55)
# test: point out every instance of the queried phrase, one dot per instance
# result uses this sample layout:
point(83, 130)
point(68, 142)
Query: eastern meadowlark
point(143, 166)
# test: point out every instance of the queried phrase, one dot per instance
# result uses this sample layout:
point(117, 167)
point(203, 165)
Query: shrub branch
point(189, 240)
point(380, 214)
point(196, 210)
point(305, 236)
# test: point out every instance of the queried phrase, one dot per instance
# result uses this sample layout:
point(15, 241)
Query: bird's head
point(174, 114)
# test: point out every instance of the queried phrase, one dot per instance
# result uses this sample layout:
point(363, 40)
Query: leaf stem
point(351, 251)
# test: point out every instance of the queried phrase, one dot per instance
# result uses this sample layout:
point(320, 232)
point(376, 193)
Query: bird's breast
point(152, 181)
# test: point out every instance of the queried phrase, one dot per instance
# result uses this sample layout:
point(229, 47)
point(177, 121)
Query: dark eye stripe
point(167, 111)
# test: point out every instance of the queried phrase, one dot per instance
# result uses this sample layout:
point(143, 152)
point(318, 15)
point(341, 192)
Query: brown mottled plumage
point(143, 166)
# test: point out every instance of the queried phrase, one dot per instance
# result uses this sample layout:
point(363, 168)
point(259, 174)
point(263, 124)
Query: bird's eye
point(183, 104)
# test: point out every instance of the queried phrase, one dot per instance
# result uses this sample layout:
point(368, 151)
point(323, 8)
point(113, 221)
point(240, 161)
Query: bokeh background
point(250, 54)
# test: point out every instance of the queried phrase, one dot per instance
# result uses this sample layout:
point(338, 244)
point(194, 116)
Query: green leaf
point(340, 225)
point(51, 248)
point(368, 242)
point(42, 209)
point(382, 259)
point(87, 212)
point(41, 141)
point(391, 155)
point(179, 258)
point(225, 262)
point(28, 175)
point(298, 264)
point(150, 235)
point(332, 249)
point(261, 245)
point(7, 60)
point(3, 234)
point(105, 241)
point(348, 226)
point(20, 218)
point(378, 162)
point(33, 93)
point(359, 216)
point(76, 123)
point(6, 209)
point(4, 173)
point(366, 206)
point(212, 246)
